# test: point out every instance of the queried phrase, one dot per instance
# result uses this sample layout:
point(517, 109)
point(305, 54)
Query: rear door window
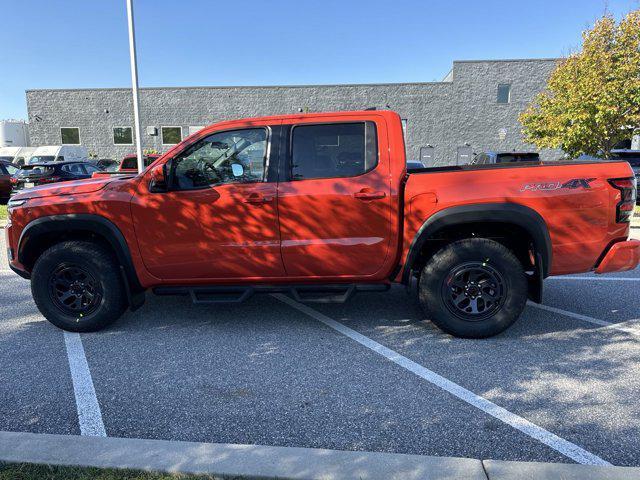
point(333, 150)
point(74, 168)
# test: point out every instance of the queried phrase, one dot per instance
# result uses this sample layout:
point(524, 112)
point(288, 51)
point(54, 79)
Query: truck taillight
point(628, 192)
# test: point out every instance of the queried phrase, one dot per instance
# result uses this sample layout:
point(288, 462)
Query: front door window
point(211, 160)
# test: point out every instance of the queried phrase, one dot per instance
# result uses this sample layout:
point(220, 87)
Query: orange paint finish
point(342, 228)
point(620, 257)
point(581, 222)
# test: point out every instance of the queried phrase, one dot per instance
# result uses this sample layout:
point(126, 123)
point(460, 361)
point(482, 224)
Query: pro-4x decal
point(545, 186)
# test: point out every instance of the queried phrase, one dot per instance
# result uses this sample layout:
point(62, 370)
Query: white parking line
point(89, 415)
point(598, 279)
point(553, 441)
point(621, 326)
point(585, 318)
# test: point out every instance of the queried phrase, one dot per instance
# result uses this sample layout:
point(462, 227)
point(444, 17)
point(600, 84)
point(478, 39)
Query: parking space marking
point(598, 279)
point(584, 318)
point(629, 326)
point(89, 415)
point(553, 441)
point(622, 326)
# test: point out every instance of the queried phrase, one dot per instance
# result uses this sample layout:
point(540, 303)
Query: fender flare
point(86, 222)
point(508, 213)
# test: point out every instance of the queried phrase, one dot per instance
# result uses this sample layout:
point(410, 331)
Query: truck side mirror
point(159, 179)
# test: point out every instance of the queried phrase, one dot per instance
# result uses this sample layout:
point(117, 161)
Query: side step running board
point(332, 293)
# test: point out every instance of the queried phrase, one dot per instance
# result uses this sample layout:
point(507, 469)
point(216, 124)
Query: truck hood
point(74, 187)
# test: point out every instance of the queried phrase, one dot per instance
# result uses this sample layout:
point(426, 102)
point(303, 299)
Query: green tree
point(592, 100)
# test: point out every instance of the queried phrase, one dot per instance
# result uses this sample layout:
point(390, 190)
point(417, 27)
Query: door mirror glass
point(237, 169)
point(158, 181)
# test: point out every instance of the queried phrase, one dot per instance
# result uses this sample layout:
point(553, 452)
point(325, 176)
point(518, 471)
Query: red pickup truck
point(319, 206)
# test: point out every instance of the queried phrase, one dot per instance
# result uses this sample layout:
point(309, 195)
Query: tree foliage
point(592, 100)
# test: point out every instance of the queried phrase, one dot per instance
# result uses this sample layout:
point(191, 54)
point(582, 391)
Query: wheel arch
point(44, 232)
point(524, 218)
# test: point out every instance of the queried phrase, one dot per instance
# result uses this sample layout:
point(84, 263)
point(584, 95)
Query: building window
point(427, 156)
point(122, 136)
point(70, 135)
point(171, 135)
point(504, 93)
point(465, 155)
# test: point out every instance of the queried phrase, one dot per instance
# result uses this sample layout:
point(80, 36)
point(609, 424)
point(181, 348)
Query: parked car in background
point(59, 153)
point(16, 155)
point(106, 164)
point(631, 156)
point(42, 173)
point(414, 165)
point(505, 157)
point(7, 170)
point(130, 162)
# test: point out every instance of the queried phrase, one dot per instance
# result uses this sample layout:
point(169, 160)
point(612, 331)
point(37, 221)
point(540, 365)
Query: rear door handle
point(257, 199)
point(368, 194)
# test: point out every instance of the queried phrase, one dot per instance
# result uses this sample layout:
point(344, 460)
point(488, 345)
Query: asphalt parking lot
point(562, 385)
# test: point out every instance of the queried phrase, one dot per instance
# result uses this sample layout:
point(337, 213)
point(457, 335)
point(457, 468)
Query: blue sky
point(83, 43)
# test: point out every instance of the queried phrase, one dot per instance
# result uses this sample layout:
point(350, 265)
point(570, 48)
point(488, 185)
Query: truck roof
point(296, 116)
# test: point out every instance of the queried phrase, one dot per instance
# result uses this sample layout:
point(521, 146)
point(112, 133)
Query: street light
point(134, 84)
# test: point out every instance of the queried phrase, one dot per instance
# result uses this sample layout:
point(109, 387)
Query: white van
point(59, 153)
point(18, 155)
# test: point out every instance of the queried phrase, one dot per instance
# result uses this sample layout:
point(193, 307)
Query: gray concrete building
point(474, 108)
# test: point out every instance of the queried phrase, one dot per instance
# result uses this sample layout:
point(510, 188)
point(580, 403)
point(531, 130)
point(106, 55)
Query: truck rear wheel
point(473, 288)
point(77, 286)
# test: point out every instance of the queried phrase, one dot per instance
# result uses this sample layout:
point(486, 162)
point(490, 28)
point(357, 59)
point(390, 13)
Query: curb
point(500, 470)
point(282, 463)
point(231, 461)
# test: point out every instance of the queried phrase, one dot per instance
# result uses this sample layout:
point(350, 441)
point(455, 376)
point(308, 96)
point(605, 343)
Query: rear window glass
point(29, 170)
point(517, 157)
point(42, 159)
point(333, 150)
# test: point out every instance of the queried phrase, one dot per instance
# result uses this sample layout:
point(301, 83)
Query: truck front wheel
point(473, 288)
point(77, 286)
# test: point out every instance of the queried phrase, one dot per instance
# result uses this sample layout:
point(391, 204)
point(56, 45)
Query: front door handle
point(257, 199)
point(369, 194)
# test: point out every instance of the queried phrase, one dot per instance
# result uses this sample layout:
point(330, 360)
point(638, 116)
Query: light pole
point(134, 84)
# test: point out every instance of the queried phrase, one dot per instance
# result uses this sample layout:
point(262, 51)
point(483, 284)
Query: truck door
point(219, 219)
point(334, 205)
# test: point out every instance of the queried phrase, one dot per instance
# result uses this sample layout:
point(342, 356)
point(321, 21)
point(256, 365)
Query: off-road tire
point(442, 273)
point(101, 267)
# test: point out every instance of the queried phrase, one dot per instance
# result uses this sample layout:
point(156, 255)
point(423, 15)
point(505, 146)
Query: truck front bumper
point(621, 256)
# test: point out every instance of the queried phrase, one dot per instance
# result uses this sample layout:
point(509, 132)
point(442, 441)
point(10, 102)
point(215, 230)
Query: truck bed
point(574, 198)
